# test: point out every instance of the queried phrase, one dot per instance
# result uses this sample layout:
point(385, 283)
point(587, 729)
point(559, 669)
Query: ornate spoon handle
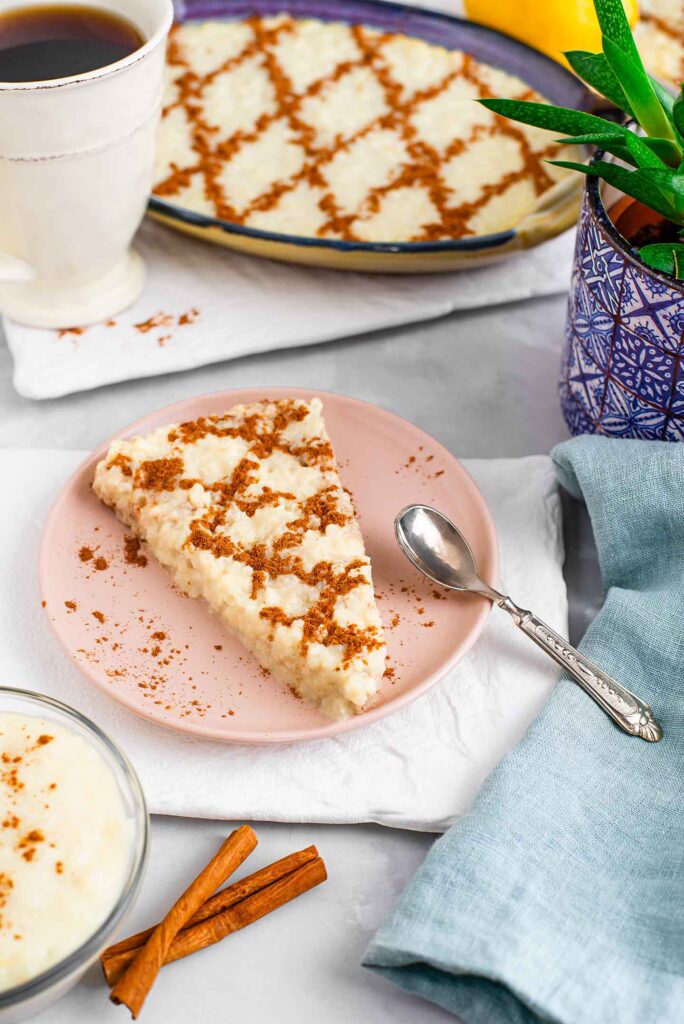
point(624, 707)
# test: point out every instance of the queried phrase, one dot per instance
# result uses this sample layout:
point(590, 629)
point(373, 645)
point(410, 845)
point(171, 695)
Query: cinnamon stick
point(132, 988)
point(244, 913)
point(114, 962)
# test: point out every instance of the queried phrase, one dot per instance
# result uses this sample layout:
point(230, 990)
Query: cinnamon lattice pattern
point(338, 131)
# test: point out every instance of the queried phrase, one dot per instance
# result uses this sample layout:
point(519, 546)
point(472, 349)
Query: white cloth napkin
point(247, 305)
point(416, 769)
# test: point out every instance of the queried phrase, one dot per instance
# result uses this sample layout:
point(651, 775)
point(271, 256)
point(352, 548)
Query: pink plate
point(166, 657)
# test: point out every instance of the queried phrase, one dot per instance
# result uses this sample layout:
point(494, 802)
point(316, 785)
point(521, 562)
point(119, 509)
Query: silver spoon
point(440, 551)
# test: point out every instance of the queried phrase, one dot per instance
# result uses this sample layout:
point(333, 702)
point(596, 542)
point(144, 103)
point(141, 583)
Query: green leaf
point(544, 115)
point(668, 152)
point(642, 155)
point(593, 139)
point(597, 72)
point(669, 181)
point(666, 256)
point(664, 95)
point(582, 126)
point(624, 145)
point(639, 91)
point(632, 183)
point(665, 178)
point(614, 26)
point(667, 102)
point(610, 143)
point(678, 113)
point(616, 144)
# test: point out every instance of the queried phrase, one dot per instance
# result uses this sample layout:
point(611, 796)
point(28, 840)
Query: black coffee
point(39, 43)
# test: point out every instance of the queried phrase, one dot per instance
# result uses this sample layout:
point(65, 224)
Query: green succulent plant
point(655, 172)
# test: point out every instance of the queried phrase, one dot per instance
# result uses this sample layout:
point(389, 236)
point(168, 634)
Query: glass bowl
point(32, 996)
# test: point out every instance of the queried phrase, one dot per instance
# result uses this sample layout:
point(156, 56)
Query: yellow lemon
point(552, 27)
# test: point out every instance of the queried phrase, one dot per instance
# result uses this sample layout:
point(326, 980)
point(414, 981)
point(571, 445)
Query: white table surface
point(483, 383)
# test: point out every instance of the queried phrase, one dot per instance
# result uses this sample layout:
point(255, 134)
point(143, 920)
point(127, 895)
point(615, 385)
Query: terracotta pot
point(632, 219)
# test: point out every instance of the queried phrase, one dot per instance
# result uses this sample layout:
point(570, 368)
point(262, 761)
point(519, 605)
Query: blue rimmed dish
point(557, 208)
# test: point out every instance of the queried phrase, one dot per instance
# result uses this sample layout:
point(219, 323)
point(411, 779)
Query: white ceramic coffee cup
point(76, 165)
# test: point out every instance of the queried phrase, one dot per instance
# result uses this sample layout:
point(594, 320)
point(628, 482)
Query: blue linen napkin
point(560, 895)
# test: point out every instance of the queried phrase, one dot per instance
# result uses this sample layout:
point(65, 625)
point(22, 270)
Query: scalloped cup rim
point(140, 53)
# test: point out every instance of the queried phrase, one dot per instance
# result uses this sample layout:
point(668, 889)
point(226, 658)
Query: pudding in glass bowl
point(73, 840)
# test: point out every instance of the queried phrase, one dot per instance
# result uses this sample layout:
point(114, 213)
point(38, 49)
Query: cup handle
point(13, 269)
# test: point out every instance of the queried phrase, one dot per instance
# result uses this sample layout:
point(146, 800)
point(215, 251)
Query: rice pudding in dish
point(247, 510)
point(73, 837)
point(334, 131)
point(659, 34)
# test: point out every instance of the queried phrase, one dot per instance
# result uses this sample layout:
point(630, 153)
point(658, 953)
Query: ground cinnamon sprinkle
point(99, 616)
point(10, 777)
point(29, 843)
point(132, 552)
point(318, 623)
point(123, 462)
point(159, 474)
point(100, 563)
point(188, 318)
point(71, 605)
point(34, 836)
point(67, 332)
point(158, 320)
point(6, 886)
point(85, 554)
point(163, 320)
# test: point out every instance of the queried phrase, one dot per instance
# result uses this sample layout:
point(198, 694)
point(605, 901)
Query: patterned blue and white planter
point(622, 372)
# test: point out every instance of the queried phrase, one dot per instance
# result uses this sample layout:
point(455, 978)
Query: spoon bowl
point(439, 550)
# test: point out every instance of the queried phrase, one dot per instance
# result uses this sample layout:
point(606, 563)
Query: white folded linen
point(247, 305)
point(418, 768)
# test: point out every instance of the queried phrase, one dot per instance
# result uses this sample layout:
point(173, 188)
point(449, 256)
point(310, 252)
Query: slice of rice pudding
point(247, 510)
